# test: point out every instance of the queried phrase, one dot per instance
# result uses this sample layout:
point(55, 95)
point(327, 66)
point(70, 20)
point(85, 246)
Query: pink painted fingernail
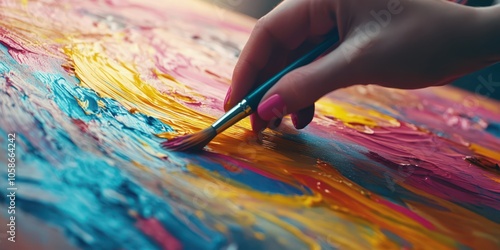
point(273, 107)
point(227, 99)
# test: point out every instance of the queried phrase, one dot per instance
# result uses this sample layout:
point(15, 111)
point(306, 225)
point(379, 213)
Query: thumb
point(302, 87)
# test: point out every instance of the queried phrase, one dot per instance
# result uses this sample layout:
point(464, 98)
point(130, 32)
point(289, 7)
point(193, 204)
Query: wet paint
point(93, 87)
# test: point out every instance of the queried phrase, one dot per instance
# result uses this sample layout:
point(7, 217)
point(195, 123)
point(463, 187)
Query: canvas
point(89, 90)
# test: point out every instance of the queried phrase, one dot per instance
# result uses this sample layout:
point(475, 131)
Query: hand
point(393, 43)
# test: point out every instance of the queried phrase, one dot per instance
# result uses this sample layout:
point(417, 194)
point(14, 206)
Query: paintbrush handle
point(253, 99)
point(249, 104)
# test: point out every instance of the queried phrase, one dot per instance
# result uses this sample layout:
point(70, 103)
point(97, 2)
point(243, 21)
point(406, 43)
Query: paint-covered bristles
point(190, 142)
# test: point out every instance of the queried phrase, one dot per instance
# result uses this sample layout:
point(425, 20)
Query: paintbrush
point(247, 106)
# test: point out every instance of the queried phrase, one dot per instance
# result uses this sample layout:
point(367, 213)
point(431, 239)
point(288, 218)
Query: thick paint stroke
point(91, 87)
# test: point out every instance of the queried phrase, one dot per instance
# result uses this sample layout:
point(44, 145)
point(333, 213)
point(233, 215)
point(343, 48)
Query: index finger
point(287, 26)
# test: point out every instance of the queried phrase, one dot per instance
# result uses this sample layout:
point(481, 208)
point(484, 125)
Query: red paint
point(407, 212)
point(153, 228)
point(81, 125)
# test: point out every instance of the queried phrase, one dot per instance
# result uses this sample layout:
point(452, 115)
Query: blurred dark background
point(485, 82)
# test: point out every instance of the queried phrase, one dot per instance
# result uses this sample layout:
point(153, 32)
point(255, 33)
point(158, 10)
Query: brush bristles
point(191, 142)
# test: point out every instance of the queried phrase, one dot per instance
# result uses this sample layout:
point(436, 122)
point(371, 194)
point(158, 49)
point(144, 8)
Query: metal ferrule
point(238, 112)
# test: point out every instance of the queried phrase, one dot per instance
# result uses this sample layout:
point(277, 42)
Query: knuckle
point(261, 25)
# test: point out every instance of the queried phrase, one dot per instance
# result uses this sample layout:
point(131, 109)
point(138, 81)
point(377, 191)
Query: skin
point(393, 43)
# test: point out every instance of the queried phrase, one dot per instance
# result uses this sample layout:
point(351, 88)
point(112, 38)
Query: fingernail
point(295, 119)
point(258, 125)
point(273, 107)
point(227, 99)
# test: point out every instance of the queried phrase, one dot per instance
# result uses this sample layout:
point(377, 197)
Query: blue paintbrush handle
point(253, 99)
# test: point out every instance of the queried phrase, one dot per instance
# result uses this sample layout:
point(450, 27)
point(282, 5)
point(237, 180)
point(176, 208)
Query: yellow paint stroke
point(121, 82)
point(355, 115)
point(103, 61)
point(493, 154)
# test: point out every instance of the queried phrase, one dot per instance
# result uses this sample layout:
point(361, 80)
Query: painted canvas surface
point(89, 90)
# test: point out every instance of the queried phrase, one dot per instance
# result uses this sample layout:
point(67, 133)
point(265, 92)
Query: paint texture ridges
point(91, 88)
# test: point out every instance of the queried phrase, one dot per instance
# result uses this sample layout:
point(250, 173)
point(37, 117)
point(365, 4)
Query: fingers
point(257, 123)
point(299, 89)
point(279, 56)
point(300, 120)
point(303, 117)
point(286, 28)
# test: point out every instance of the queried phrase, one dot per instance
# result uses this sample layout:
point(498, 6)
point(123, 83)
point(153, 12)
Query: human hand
point(393, 43)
